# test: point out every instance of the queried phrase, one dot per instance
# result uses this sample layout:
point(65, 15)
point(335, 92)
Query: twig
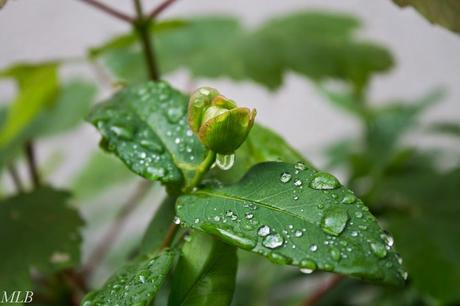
point(112, 233)
point(142, 27)
point(314, 298)
point(16, 178)
point(160, 8)
point(32, 163)
point(109, 10)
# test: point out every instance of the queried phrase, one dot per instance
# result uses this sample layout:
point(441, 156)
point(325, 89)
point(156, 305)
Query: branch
point(111, 11)
point(32, 163)
point(160, 8)
point(16, 178)
point(314, 298)
point(115, 228)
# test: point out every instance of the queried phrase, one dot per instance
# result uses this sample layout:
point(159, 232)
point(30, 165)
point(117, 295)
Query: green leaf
point(443, 12)
point(41, 231)
point(290, 43)
point(298, 217)
point(37, 86)
point(158, 226)
point(446, 128)
point(425, 204)
point(72, 104)
point(261, 145)
point(100, 172)
point(205, 273)
point(146, 127)
point(135, 284)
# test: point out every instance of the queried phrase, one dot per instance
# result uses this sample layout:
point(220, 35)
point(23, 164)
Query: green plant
point(263, 200)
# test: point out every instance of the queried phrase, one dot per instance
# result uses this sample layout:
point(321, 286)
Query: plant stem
point(201, 171)
point(115, 228)
point(32, 163)
point(324, 289)
point(142, 26)
point(16, 178)
point(160, 8)
point(107, 9)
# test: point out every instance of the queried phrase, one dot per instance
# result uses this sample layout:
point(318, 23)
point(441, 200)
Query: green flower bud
point(220, 125)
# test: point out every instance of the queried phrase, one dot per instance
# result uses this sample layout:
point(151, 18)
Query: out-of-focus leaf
point(443, 12)
point(72, 104)
point(100, 172)
point(41, 231)
point(448, 128)
point(135, 284)
point(126, 40)
point(205, 273)
point(425, 205)
point(295, 215)
point(37, 86)
point(262, 145)
point(158, 226)
point(317, 45)
point(145, 125)
point(346, 101)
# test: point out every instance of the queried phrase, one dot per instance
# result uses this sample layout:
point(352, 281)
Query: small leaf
point(135, 284)
point(158, 226)
point(444, 12)
point(37, 86)
point(146, 127)
point(41, 231)
point(279, 211)
point(205, 273)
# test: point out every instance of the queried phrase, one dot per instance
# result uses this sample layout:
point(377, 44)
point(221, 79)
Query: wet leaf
point(41, 231)
point(205, 273)
point(135, 284)
point(295, 215)
point(146, 127)
point(445, 13)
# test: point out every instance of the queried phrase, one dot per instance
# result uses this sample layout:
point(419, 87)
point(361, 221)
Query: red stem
point(160, 8)
point(109, 10)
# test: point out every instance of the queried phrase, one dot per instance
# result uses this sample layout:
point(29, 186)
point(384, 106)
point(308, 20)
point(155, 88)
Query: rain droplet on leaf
point(324, 181)
point(285, 177)
point(273, 241)
point(334, 221)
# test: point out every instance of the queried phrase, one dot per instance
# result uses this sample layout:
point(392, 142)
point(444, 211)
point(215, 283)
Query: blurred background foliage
point(415, 192)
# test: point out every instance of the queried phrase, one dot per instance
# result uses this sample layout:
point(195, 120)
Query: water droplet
point(285, 177)
point(378, 249)
point(273, 241)
point(225, 162)
point(298, 233)
point(306, 271)
point(297, 182)
point(299, 166)
point(354, 234)
point(296, 198)
point(358, 214)
point(387, 238)
point(349, 198)
point(122, 132)
point(216, 218)
point(263, 231)
point(230, 236)
point(334, 221)
point(308, 264)
point(279, 259)
point(313, 248)
point(176, 220)
point(249, 216)
point(324, 181)
point(174, 114)
point(335, 254)
point(197, 221)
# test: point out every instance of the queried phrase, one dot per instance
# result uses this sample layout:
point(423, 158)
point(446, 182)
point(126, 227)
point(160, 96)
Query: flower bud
point(220, 125)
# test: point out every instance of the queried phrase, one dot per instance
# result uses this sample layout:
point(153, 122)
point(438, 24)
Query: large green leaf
point(317, 45)
point(37, 86)
point(443, 12)
point(261, 145)
point(39, 230)
point(205, 273)
point(425, 204)
point(146, 127)
point(135, 284)
point(299, 217)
